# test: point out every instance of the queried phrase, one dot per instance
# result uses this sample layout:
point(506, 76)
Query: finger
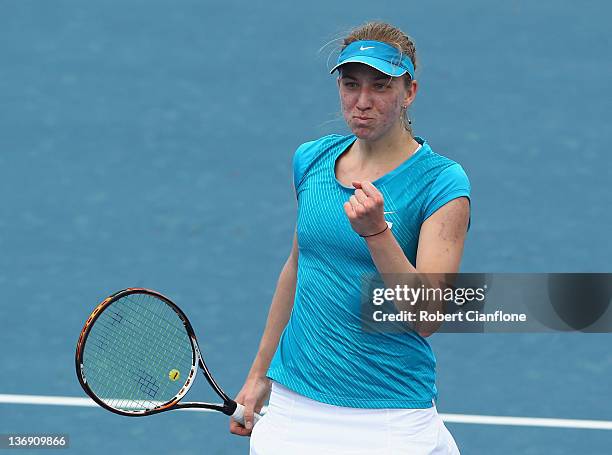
point(357, 207)
point(236, 428)
point(354, 202)
point(366, 202)
point(248, 414)
point(348, 209)
point(360, 195)
point(375, 197)
point(369, 189)
point(360, 211)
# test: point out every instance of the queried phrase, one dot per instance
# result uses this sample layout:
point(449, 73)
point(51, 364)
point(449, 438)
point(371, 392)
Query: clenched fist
point(365, 209)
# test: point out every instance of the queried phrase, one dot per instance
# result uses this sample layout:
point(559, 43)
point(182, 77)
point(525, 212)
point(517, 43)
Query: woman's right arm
point(256, 389)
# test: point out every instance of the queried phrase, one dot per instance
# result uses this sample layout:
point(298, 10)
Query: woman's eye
point(350, 84)
point(380, 86)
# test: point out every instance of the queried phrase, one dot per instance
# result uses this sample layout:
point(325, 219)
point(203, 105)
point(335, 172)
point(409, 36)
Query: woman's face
point(371, 100)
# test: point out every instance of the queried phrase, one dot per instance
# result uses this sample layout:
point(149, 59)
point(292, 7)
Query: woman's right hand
point(254, 393)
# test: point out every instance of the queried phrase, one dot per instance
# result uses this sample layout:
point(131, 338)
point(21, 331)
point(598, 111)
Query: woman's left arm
point(442, 238)
point(440, 243)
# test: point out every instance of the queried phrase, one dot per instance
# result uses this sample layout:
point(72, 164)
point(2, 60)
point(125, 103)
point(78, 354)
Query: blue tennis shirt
point(323, 353)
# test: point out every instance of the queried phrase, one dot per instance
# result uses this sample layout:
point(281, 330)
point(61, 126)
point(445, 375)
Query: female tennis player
point(379, 200)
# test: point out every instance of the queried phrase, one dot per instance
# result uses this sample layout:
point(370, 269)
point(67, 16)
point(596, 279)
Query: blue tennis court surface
point(150, 143)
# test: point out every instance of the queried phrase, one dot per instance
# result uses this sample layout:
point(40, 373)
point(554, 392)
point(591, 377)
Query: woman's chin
point(365, 133)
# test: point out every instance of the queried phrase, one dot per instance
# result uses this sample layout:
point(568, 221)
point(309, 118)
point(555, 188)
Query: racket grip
point(238, 415)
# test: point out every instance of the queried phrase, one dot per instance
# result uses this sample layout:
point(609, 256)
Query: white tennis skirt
point(296, 425)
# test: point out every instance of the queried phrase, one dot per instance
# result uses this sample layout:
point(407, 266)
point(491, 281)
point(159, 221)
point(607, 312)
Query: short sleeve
point(452, 183)
point(301, 160)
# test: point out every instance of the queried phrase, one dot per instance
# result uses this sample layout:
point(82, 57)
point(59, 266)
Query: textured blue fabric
point(323, 352)
point(450, 184)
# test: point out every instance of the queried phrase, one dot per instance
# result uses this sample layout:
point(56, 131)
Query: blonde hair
point(387, 33)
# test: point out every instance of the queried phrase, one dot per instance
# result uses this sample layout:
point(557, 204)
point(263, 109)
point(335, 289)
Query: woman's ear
point(411, 92)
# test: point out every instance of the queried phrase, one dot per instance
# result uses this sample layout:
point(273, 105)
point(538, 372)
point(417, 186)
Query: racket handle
point(238, 415)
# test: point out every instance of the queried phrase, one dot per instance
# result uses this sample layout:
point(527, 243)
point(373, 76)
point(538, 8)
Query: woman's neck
point(398, 143)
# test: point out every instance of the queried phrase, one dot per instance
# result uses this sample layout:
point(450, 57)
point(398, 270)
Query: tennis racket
point(138, 355)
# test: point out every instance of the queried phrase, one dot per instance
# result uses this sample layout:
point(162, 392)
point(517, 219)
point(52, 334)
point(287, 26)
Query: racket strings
point(141, 380)
point(136, 373)
point(130, 367)
point(114, 370)
point(145, 381)
point(158, 359)
point(132, 348)
point(176, 333)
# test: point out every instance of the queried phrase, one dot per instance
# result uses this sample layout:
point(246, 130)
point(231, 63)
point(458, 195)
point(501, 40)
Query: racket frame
point(228, 406)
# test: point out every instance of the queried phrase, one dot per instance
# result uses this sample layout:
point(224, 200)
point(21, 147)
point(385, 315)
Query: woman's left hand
point(365, 209)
